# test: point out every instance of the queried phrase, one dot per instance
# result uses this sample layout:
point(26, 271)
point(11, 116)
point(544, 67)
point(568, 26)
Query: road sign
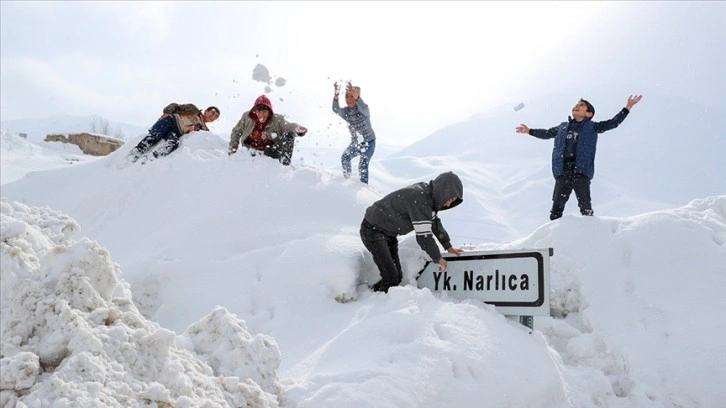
point(516, 282)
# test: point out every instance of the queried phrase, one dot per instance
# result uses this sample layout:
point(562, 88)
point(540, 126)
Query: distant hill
point(20, 156)
point(37, 129)
point(667, 152)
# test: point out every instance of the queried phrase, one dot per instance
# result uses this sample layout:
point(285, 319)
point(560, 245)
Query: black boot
point(380, 286)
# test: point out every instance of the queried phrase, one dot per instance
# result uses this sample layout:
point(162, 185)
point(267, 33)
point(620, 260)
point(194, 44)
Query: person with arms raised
point(573, 155)
point(363, 139)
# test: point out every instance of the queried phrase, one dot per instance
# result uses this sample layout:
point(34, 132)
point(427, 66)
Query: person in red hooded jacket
point(262, 130)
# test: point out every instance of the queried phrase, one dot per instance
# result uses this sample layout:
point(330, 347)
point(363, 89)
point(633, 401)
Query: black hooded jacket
point(415, 208)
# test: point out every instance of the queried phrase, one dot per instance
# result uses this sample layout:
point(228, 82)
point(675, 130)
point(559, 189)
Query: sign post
point(516, 282)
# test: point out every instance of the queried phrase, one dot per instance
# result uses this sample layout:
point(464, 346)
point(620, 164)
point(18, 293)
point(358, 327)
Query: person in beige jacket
point(175, 121)
point(262, 131)
point(189, 117)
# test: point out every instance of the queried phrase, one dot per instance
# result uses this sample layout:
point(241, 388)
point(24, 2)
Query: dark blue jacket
point(586, 142)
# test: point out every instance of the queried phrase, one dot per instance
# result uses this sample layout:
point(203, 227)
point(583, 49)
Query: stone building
point(94, 145)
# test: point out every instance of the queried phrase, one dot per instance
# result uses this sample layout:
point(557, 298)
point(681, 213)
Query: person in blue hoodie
point(363, 139)
point(573, 154)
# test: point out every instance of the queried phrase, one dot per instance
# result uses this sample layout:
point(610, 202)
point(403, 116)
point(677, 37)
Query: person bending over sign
point(412, 208)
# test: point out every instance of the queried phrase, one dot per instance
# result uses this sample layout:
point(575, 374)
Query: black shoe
point(133, 156)
point(587, 213)
point(380, 287)
point(554, 216)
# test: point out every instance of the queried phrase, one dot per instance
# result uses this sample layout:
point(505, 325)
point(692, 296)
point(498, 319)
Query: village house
point(95, 145)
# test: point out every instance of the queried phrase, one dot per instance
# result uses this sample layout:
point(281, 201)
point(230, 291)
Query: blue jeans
point(164, 130)
point(365, 150)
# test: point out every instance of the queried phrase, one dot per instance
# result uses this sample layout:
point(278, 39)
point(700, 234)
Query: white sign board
point(516, 282)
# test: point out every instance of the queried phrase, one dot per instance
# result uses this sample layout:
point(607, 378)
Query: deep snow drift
point(71, 335)
point(636, 300)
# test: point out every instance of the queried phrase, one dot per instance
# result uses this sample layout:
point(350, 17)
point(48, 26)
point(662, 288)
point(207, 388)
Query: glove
point(301, 131)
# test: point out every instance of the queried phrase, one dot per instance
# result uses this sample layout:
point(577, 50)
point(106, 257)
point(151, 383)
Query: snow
point(20, 156)
point(202, 279)
point(72, 336)
point(260, 73)
point(37, 129)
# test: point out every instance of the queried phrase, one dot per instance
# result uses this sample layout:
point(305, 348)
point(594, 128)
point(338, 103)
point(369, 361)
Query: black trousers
point(281, 149)
point(564, 184)
point(384, 249)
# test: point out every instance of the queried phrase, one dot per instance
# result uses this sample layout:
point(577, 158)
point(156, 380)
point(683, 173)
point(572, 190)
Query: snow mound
point(621, 303)
point(71, 335)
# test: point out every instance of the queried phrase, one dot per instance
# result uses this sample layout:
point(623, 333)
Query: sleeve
point(283, 126)
point(236, 135)
point(336, 107)
point(606, 125)
point(363, 107)
point(441, 234)
point(422, 226)
point(544, 133)
point(171, 108)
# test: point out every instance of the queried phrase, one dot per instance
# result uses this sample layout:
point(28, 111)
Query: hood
point(444, 187)
point(261, 100)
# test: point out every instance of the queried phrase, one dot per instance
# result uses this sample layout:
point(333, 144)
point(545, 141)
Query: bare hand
point(455, 251)
point(442, 264)
point(522, 128)
point(349, 89)
point(632, 100)
point(337, 90)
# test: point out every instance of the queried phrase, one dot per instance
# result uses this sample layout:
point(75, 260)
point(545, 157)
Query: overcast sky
point(419, 64)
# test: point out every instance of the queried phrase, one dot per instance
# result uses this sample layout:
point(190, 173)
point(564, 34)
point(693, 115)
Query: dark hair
point(262, 106)
point(590, 108)
point(214, 108)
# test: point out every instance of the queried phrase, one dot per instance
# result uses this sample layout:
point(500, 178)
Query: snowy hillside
point(666, 152)
point(633, 298)
point(19, 156)
point(38, 129)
